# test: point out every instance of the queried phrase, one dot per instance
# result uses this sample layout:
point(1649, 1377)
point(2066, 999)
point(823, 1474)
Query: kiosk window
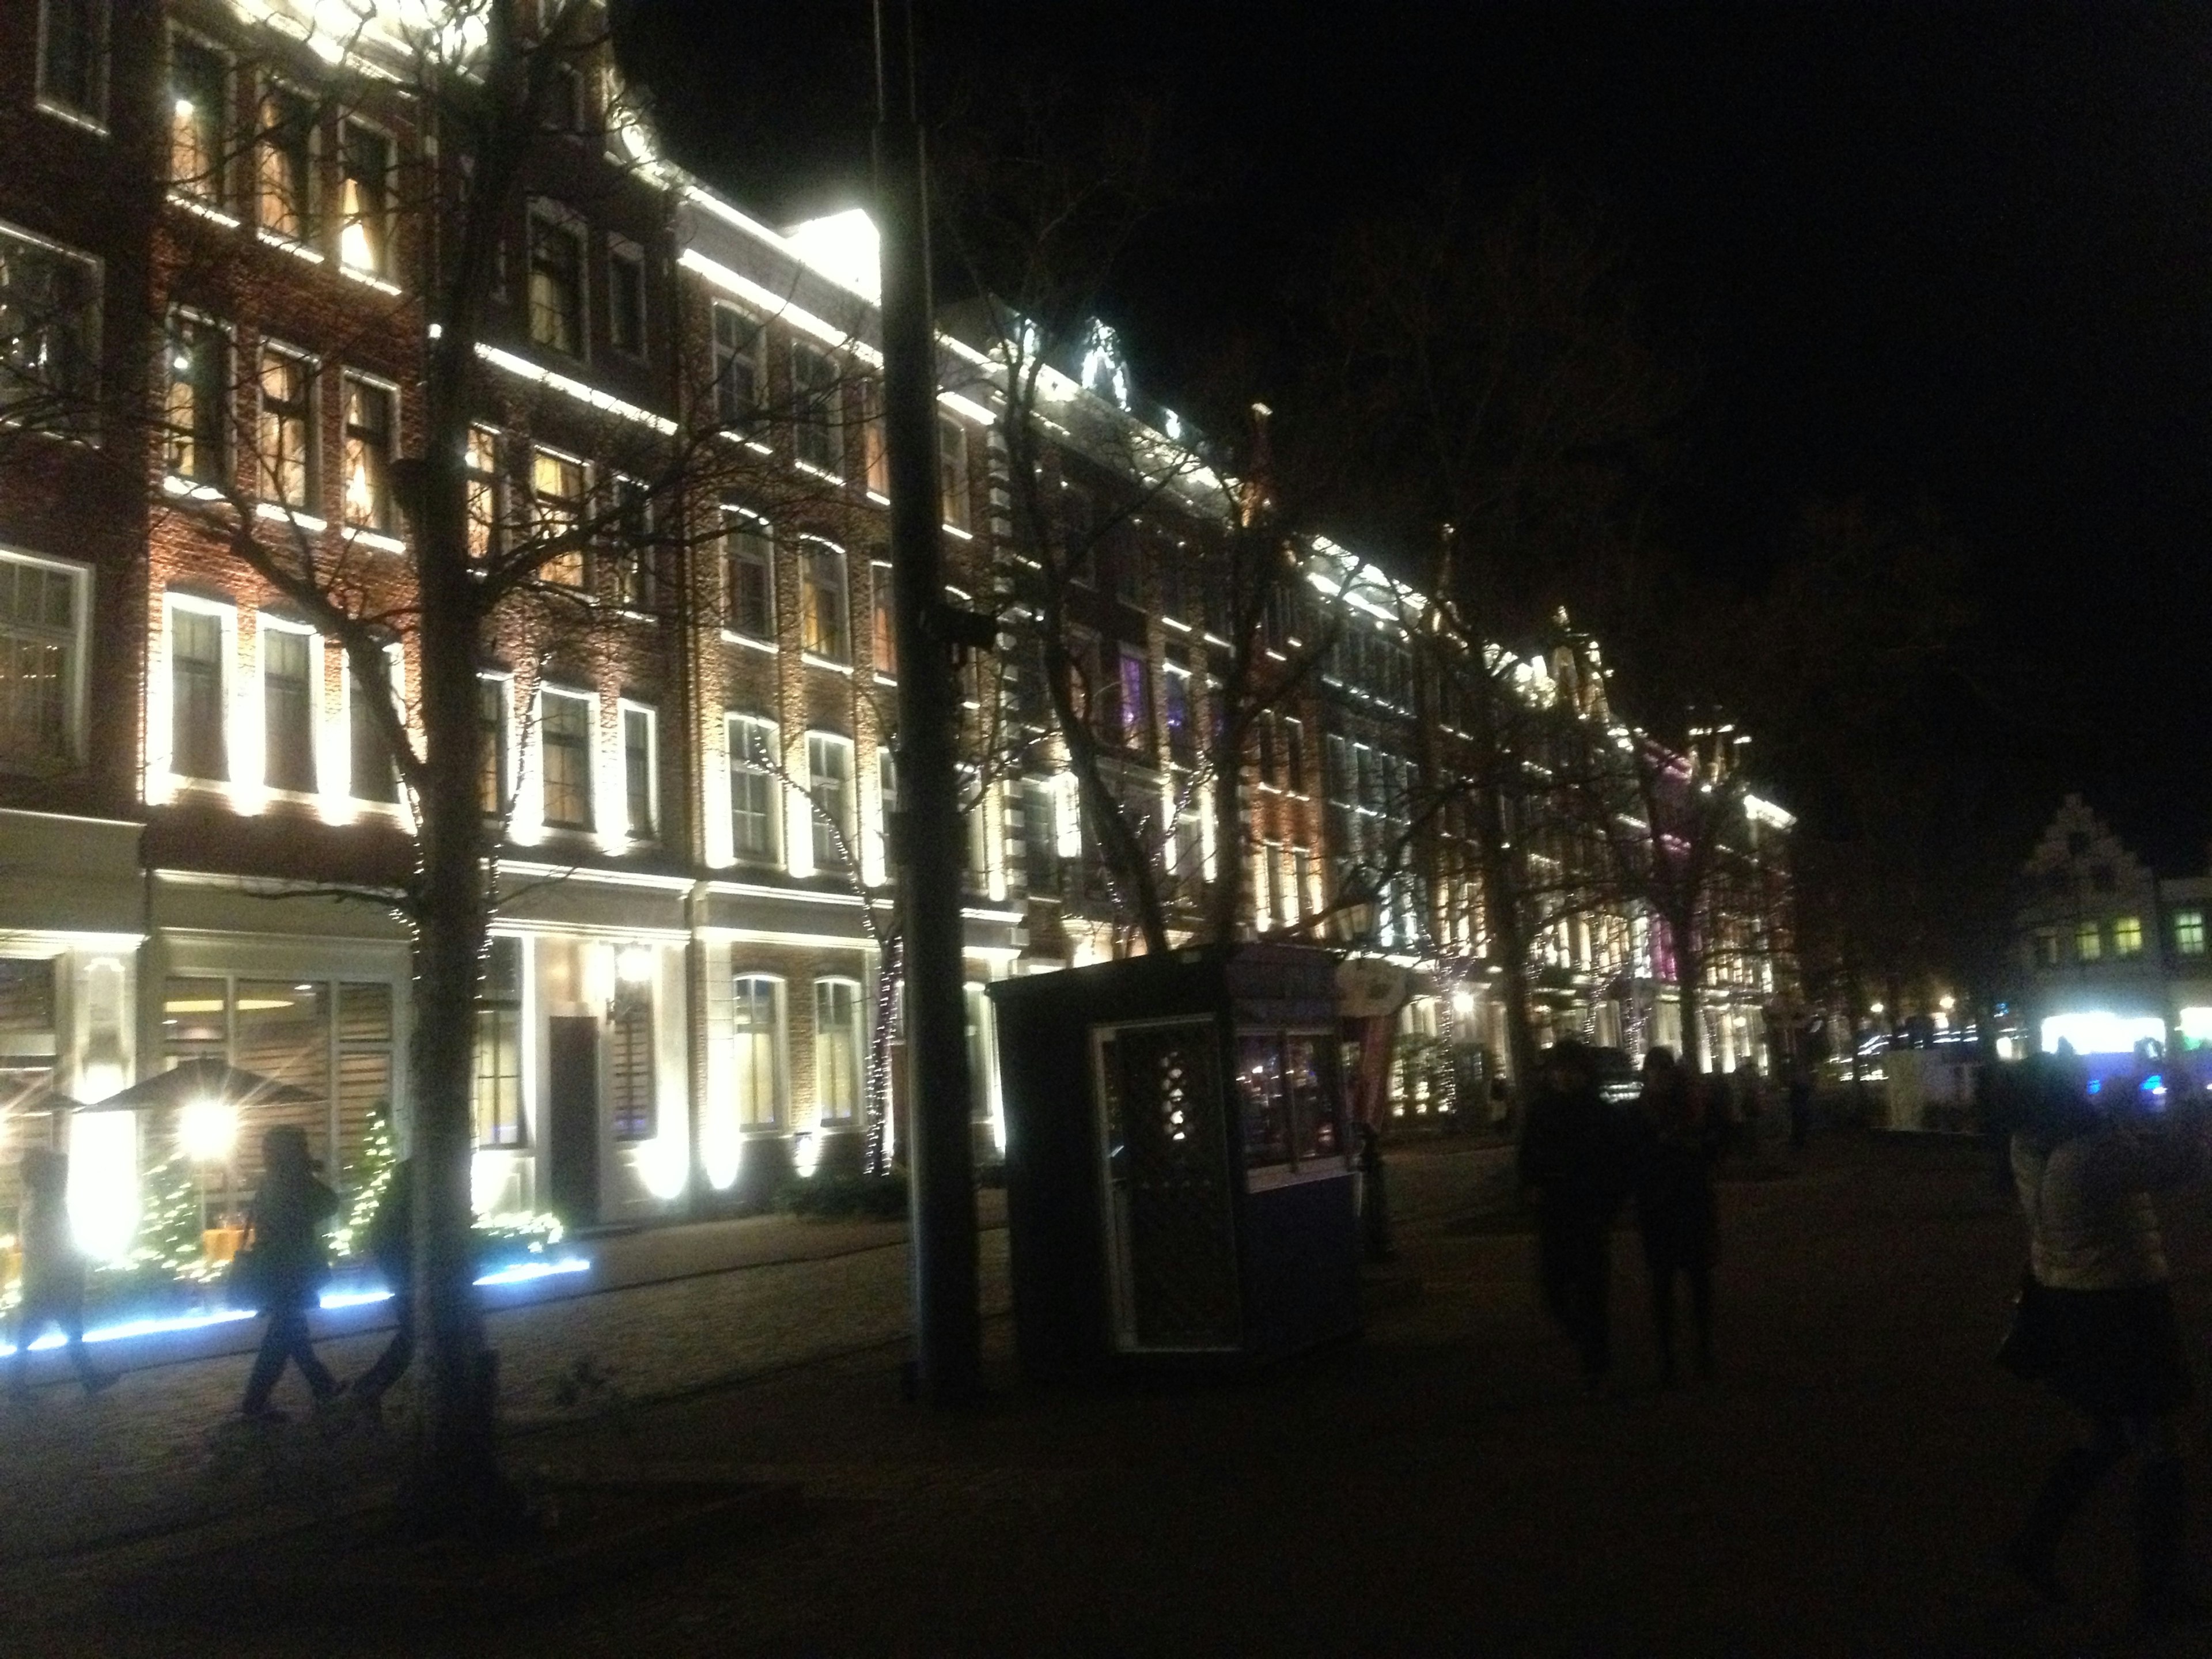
point(1286, 1086)
point(1260, 1094)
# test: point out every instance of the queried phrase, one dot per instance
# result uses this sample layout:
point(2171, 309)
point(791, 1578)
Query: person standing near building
point(289, 1261)
point(2097, 1322)
point(1677, 1140)
point(1573, 1170)
point(53, 1273)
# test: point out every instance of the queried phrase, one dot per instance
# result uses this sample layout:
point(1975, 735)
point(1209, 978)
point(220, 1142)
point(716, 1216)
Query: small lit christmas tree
point(371, 1175)
point(169, 1225)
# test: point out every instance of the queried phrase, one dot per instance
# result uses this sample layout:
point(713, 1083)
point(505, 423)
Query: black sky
point(1951, 256)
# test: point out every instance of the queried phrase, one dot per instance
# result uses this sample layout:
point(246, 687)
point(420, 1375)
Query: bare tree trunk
point(1226, 898)
point(1689, 990)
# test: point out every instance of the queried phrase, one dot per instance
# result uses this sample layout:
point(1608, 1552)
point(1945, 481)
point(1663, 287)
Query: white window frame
point(226, 614)
point(733, 519)
point(831, 424)
point(268, 484)
point(734, 724)
point(624, 250)
point(78, 646)
point(823, 1116)
point(82, 424)
point(214, 194)
point(624, 707)
point(821, 841)
point(504, 759)
point(310, 210)
point(93, 120)
point(395, 669)
point(385, 535)
point(779, 1051)
point(379, 275)
point(265, 624)
point(809, 547)
point(225, 424)
point(593, 806)
point(752, 353)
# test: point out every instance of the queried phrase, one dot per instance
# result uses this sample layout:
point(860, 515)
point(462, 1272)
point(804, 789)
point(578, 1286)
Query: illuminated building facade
point(206, 212)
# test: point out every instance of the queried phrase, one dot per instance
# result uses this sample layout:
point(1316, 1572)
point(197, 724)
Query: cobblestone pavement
point(1442, 1485)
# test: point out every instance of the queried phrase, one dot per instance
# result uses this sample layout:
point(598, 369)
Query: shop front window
point(497, 1096)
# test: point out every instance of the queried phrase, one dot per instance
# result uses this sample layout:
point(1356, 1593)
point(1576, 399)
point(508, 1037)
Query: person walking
point(1676, 1141)
point(53, 1274)
point(289, 1262)
point(2097, 1320)
point(1573, 1171)
point(392, 1246)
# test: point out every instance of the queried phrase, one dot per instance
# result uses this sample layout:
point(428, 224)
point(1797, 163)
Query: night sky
point(1957, 258)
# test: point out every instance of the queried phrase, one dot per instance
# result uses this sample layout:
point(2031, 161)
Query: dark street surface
point(1442, 1485)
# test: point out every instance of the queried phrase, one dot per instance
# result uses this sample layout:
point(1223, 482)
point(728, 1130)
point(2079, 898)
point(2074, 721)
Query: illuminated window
point(557, 280)
point(368, 447)
point(825, 614)
point(630, 1104)
point(41, 661)
point(830, 782)
point(286, 164)
point(196, 746)
point(288, 706)
point(73, 56)
point(49, 333)
point(556, 491)
point(2189, 933)
point(837, 1049)
point(486, 522)
point(564, 736)
point(2088, 942)
point(288, 427)
point(198, 83)
point(198, 375)
point(887, 791)
point(2127, 936)
point(364, 203)
point(497, 1095)
point(737, 367)
point(756, 1050)
point(492, 787)
point(635, 551)
point(1133, 698)
point(818, 420)
point(753, 815)
point(626, 297)
point(953, 471)
point(748, 557)
point(875, 458)
point(883, 626)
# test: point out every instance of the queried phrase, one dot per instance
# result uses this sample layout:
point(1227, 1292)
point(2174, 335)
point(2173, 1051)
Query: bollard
point(1374, 1198)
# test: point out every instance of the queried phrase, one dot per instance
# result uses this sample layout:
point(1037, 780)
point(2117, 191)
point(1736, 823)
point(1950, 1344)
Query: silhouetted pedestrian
point(53, 1273)
point(288, 1263)
point(1574, 1169)
point(1676, 1140)
point(2097, 1320)
point(392, 1246)
point(1805, 1046)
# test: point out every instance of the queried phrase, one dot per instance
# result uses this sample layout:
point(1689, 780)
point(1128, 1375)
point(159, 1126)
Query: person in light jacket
point(53, 1274)
point(2107, 1341)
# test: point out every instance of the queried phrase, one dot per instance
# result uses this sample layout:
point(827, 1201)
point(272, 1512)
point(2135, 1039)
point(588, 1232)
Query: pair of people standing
point(1581, 1162)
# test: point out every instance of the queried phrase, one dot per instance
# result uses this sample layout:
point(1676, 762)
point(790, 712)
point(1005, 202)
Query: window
point(887, 791)
point(875, 458)
point(756, 1050)
point(837, 1049)
point(752, 787)
point(49, 333)
point(636, 555)
point(2127, 936)
point(197, 79)
point(1266, 734)
point(557, 280)
point(369, 433)
point(829, 781)
point(565, 738)
point(195, 694)
point(1294, 756)
point(498, 1092)
point(73, 56)
point(626, 297)
point(287, 427)
point(630, 1103)
point(1175, 709)
point(1301, 881)
point(287, 164)
point(364, 207)
point(1132, 700)
point(2189, 933)
point(641, 777)
point(2046, 947)
point(748, 557)
point(737, 367)
point(374, 777)
point(288, 706)
point(1040, 837)
point(814, 438)
point(486, 522)
point(2088, 942)
point(953, 471)
point(492, 788)
point(198, 378)
point(557, 497)
point(883, 627)
point(826, 628)
point(41, 609)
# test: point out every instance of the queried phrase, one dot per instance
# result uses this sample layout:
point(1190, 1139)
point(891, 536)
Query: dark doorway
point(573, 1144)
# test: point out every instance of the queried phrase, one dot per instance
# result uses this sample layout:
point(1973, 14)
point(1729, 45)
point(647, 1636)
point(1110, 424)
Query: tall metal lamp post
point(925, 840)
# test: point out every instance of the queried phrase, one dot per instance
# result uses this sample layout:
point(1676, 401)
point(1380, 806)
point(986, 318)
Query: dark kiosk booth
point(1178, 1187)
